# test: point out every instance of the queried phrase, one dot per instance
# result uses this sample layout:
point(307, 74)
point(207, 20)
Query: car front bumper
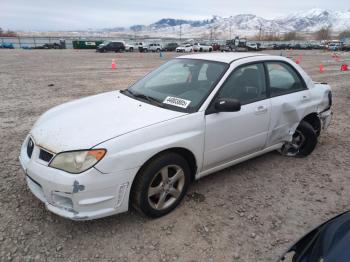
point(326, 118)
point(84, 196)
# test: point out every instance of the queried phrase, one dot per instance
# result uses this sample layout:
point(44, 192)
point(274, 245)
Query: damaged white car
point(192, 116)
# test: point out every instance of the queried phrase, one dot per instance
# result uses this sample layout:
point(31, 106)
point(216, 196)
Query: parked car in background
point(216, 46)
point(7, 45)
point(106, 46)
point(142, 47)
point(155, 47)
point(346, 47)
point(281, 46)
point(192, 116)
point(184, 48)
point(316, 46)
point(253, 46)
point(201, 47)
point(334, 47)
point(237, 44)
point(60, 45)
point(171, 47)
point(129, 47)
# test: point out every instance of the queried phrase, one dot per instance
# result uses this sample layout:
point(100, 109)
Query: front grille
point(30, 147)
point(45, 156)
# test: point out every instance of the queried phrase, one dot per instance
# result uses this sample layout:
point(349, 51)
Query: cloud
point(82, 14)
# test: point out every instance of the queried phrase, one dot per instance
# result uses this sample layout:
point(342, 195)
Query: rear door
point(231, 135)
point(290, 99)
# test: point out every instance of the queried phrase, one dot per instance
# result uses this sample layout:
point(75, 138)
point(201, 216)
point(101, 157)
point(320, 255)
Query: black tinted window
point(247, 84)
point(283, 79)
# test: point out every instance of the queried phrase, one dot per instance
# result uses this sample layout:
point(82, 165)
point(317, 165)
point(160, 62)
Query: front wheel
point(160, 185)
point(303, 142)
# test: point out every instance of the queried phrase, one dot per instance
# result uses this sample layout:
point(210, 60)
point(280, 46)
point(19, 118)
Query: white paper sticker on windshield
point(175, 101)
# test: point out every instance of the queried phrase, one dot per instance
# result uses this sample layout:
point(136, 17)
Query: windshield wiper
point(143, 97)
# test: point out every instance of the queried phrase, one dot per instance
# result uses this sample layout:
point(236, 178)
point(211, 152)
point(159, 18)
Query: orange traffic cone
point(344, 67)
point(322, 68)
point(114, 65)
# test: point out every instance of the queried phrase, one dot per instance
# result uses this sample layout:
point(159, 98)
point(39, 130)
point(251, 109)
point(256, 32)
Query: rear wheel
point(303, 142)
point(161, 185)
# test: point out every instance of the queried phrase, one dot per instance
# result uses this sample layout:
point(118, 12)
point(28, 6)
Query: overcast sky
point(41, 15)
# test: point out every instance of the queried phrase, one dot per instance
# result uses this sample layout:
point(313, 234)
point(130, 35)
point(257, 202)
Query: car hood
point(87, 122)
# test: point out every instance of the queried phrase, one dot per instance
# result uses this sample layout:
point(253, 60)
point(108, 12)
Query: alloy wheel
point(166, 187)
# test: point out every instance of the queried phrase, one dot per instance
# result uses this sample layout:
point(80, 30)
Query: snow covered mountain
point(315, 19)
point(244, 24)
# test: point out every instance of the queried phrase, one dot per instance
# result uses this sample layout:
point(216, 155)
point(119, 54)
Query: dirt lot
point(249, 212)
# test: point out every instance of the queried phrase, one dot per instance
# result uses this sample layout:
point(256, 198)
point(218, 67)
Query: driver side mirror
point(227, 105)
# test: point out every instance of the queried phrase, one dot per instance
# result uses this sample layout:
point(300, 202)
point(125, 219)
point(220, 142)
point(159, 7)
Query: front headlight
point(77, 161)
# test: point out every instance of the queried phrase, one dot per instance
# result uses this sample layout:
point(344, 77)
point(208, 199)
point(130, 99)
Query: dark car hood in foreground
point(329, 241)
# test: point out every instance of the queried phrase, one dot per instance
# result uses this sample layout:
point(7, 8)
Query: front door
point(231, 135)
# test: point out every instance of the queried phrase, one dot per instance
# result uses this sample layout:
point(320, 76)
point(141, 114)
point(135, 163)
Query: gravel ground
point(249, 212)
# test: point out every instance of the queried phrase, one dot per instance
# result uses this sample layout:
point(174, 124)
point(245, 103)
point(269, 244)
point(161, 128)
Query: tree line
point(324, 33)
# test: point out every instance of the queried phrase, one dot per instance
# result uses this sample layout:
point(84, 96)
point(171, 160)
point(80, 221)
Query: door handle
point(260, 110)
point(304, 98)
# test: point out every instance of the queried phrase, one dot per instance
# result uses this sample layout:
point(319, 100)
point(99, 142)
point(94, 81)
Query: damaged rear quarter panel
point(286, 113)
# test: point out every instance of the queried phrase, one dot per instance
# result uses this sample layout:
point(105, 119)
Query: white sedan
point(191, 117)
point(184, 48)
point(199, 47)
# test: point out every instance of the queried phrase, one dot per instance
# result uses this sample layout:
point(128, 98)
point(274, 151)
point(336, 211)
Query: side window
point(283, 79)
point(247, 84)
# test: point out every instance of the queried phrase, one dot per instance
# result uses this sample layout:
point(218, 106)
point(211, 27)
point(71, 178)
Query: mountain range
point(242, 24)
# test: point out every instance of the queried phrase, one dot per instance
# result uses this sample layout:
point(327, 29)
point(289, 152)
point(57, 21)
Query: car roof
point(221, 57)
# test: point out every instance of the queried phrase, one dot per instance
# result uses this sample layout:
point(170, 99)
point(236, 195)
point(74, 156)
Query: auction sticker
point(175, 101)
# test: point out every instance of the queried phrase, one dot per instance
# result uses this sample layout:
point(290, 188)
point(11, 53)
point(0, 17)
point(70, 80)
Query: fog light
point(60, 200)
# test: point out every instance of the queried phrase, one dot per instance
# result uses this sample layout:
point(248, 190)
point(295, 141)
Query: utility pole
point(230, 31)
point(260, 33)
point(180, 31)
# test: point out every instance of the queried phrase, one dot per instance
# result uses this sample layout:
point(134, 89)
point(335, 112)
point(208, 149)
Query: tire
point(303, 143)
point(166, 194)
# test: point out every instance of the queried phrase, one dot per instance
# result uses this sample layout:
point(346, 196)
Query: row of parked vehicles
point(236, 44)
point(120, 46)
point(332, 46)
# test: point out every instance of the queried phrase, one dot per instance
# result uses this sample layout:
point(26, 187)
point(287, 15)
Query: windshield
point(180, 84)
point(105, 42)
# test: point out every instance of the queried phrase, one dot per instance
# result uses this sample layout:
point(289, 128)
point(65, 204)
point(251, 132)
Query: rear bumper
point(84, 196)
